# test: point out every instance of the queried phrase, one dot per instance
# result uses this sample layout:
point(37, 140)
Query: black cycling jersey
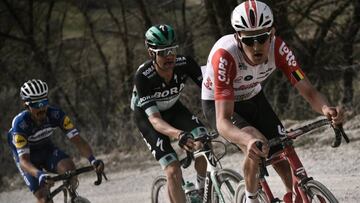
point(152, 94)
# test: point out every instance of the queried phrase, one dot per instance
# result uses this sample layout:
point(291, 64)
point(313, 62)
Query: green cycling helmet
point(160, 36)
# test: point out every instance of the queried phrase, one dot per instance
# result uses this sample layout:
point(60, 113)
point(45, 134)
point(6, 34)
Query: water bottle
point(191, 193)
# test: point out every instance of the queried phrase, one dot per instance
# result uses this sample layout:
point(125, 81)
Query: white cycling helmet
point(251, 15)
point(34, 90)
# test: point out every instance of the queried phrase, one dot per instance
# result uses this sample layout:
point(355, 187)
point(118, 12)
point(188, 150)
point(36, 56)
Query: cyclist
point(232, 96)
point(29, 140)
point(159, 114)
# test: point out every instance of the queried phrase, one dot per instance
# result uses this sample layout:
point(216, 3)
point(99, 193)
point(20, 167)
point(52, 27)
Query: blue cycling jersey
point(26, 136)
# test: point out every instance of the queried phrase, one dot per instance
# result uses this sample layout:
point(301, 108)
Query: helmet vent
point(244, 22)
point(252, 17)
point(156, 36)
point(261, 19)
point(266, 23)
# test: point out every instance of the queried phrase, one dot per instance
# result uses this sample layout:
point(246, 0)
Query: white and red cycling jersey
point(229, 76)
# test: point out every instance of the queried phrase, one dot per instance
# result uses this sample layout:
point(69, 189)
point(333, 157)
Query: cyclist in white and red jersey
point(232, 96)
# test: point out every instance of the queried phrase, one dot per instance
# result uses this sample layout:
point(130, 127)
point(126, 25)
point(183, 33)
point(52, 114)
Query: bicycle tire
point(80, 199)
point(159, 190)
point(240, 194)
point(224, 176)
point(323, 195)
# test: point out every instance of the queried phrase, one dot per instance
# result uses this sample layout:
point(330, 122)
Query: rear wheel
point(240, 194)
point(318, 193)
point(159, 193)
point(227, 182)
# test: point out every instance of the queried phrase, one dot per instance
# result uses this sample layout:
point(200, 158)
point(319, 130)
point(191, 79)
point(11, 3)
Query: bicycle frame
point(299, 175)
point(211, 170)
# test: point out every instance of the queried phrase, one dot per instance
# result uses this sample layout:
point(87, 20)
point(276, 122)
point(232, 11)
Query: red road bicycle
point(306, 189)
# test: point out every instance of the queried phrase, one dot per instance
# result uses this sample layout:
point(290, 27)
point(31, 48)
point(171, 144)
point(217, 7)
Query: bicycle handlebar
point(185, 162)
point(293, 134)
point(69, 174)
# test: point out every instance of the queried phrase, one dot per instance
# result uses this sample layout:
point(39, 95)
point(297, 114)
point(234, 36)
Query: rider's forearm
point(164, 128)
point(316, 100)
point(231, 132)
point(27, 166)
point(83, 147)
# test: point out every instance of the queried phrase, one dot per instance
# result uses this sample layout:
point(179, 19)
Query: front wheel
point(159, 191)
point(227, 181)
point(240, 194)
point(80, 199)
point(318, 193)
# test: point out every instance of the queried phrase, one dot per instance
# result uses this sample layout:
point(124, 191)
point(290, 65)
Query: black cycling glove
point(183, 137)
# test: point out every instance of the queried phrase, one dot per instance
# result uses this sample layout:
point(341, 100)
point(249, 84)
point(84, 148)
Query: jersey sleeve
point(224, 68)
point(66, 124)
point(286, 62)
point(18, 137)
point(193, 70)
point(146, 96)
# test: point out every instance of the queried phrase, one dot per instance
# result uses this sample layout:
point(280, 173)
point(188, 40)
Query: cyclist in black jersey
point(31, 146)
point(159, 114)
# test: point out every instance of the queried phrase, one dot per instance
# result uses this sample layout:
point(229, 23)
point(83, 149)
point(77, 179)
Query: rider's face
point(256, 44)
point(166, 62)
point(165, 58)
point(38, 111)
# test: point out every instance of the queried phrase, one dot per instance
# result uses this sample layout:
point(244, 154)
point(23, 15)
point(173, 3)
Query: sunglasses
point(166, 51)
point(250, 40)
point(39, 104)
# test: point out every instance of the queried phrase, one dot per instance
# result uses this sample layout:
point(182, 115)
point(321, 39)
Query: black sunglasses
point(250, 40)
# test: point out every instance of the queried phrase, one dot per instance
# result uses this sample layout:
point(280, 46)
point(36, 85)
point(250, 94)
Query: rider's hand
point(335, 114)
point(98, 165)
point(186, 141)
point(254, 153)
point(43, 179)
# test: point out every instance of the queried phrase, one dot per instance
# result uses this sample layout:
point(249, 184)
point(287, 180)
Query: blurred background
point(88, 51)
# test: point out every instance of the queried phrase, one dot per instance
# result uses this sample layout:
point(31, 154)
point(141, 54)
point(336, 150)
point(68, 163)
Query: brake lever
point(99, 179)
point(339, 134)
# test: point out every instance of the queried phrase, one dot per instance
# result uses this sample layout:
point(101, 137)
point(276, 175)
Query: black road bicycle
point(70, 194)
point(220, 184)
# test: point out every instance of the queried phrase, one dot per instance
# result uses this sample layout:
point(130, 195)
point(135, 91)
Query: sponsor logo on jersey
point(238, 79)
point(290, 58)
point(41, 134)
point(222, 71)
point(169, 92)
point(247, 86)
point(242, 66)
point(208, 84)
point(248, 77)
point(180, 61)
point(148, 71)
point(67, 123)
point(19, 141)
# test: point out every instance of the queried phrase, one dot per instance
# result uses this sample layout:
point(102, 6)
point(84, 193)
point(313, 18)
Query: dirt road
point(338, 169)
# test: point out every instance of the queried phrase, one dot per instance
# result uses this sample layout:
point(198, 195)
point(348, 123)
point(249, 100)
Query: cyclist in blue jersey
point(159, 114)
point(29, 139)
